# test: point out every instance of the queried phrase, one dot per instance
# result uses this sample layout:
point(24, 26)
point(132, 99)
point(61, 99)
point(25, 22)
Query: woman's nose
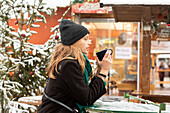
point(90, 42)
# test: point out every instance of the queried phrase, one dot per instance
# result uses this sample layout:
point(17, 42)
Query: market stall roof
point(53, 3)
point(135, 10)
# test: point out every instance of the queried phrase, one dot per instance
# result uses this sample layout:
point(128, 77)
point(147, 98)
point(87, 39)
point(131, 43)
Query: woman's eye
point(86, 38)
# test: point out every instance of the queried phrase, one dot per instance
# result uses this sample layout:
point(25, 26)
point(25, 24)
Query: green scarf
point(87, 73)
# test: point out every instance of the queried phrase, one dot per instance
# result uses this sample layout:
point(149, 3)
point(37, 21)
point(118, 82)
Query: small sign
point(160, 47)
point(123, 52)
point(164, 34)
point(88, 7)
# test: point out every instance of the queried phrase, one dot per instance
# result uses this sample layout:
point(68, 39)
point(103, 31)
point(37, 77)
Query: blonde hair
point(62, 52)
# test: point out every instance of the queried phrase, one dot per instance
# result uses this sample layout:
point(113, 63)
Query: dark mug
point(101, 54)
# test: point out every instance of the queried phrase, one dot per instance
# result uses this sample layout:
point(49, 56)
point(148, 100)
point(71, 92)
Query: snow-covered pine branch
point(34, 25)
point(54, 28)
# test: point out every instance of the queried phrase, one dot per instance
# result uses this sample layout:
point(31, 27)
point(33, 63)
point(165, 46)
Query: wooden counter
point(159, 96)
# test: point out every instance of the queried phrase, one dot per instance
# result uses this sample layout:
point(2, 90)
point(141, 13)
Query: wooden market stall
point(149, 13)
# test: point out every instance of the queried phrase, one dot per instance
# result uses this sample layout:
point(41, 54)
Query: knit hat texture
point(71, 32)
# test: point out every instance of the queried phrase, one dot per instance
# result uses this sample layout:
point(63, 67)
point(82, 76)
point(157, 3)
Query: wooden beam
point(90, 15)
point(114, 13)
point(130, 17)
point(145, 74)
point(136, 13)
point(129, 9)
point(147, 13)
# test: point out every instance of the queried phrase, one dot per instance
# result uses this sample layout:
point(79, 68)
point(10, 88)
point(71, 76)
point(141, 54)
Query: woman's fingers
point(105, 64)
point(108, 55)
point(97, 60)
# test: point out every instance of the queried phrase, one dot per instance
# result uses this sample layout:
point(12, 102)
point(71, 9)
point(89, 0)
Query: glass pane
point(122, 38)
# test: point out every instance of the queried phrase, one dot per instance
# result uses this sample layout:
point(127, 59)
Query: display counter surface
point(122, 106)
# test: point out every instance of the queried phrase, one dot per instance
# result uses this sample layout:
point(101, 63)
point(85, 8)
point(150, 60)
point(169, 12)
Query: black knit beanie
point(71, 32)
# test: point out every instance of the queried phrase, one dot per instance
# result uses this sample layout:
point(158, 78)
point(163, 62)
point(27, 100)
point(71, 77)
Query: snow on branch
point(30, 61)
point(34, 25)
point(14, 34)
point(54, 28)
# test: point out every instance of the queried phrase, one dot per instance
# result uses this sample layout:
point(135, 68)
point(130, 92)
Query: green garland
point(76, 1)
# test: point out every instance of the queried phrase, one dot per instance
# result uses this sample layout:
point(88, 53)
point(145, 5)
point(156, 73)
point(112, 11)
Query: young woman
point(69, 73)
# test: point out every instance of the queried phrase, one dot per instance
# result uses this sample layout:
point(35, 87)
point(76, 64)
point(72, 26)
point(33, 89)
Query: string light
point(16, 23)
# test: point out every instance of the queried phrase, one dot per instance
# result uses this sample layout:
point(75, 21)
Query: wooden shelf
point(127, 86)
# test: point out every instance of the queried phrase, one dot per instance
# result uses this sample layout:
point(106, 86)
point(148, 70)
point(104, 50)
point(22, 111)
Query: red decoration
point(168, 24)
point(159, 15)
point(23, 35)
point(56, 37)
point(11, 73)
point(16, 23)
point(96, 1)
point(165, 17)
point(31, 72)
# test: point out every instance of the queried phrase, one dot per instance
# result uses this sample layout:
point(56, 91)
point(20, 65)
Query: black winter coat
point(69, 87)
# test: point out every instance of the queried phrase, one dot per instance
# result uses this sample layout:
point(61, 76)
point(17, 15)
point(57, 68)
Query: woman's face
point(84, 44)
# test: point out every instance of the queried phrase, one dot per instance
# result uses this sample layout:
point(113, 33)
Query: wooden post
point(145, 62)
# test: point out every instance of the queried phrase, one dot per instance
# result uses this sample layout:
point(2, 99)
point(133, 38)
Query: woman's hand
point(106, 63)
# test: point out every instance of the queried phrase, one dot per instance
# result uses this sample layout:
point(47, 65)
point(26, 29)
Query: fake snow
point(14, 107)
point(32, 99)
point(127, 106)
point(124, 106)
